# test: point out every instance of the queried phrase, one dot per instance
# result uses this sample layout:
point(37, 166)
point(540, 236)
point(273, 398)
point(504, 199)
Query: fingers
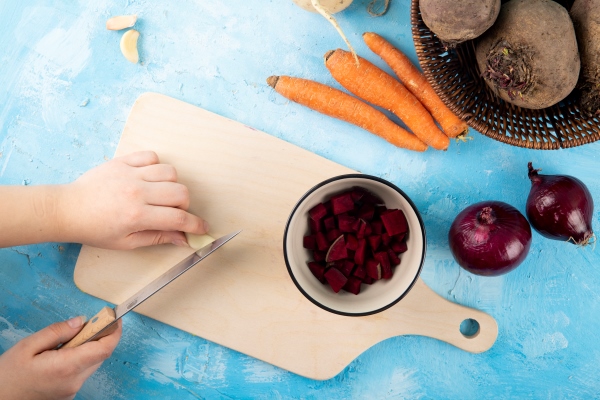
point(53, 335)
point(173, 219)
point(167, 194)
point(152, 238)
point(140, 158)
point(93, 353)
point(158, 173)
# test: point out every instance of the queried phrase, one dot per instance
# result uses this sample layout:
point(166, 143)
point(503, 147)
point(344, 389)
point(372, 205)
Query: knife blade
point(104, 322)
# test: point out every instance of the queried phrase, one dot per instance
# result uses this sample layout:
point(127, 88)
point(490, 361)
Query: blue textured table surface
point(65, 93)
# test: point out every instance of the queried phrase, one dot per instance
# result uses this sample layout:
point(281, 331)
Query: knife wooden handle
point(93, 326)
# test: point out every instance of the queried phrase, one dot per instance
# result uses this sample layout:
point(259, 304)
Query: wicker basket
point(455, 76)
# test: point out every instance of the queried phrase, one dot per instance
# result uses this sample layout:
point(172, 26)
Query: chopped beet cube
point(373, 269)
point(366, 212)
point(362, 229)
point(337, 250)
point(360, 271)
point(395, 222)
point(377, 226)
point(385, 238)
point(335, 278)
point(368, 280)
point(398, 247)
point(318, 212)
point(359, 256)
point(322, 243)
point(357, 194)
point(384, 261)
point(309, 242)
point(342, 203)
point(328, 207)
point(353, 285)
point(351, 242)
point(329, 223)
point(394, 259)
point(356, 225)
point(346, 222)
point(350, 252)
point(318, 270)
point(374, 241)
point(319, 255)
point(368, 230)
point(346, 267)
point(315, 226)
point(332, 235)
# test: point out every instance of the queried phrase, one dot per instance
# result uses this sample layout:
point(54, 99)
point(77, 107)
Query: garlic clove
point(198, 241)
point(129, 45)
point(121, 22)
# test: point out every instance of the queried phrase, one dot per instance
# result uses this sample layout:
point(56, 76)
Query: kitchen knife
point(104, 323)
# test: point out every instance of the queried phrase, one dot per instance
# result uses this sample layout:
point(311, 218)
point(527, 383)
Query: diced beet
point(346, 267)
point(395, 222)
point(374, 241)
point(401, 238)
point(368, 230)
point(346, 222)
point(373, 269)
point(342, 203)
point(315, 226)
point(353, 285)
point(398, 247)
point(329, 223)
point(351, 242)
point(377, 226)
point(319, 255)
point(318, 212)
point(360, 271)
point(366, 212)
point(359, 256)
point(322, 243)
point(394, 259)
point(384, 261)
point(350, 252)
point(318, 270)
point(309, 242)
point(328, 207)
point(362, 229)
point(332, 235)
point(356, 225)
point(368, 280)
point(385, 238)
point(335, 278)
point(357, 194)
point(337, 250)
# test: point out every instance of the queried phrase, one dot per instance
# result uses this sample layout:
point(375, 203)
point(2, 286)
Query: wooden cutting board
point(242, 297)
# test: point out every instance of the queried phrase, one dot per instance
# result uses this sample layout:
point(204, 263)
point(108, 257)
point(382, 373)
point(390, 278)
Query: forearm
point(30, 214)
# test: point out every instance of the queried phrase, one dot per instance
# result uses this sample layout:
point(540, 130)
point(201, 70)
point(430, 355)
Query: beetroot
point(354, 239)
point(335, 278)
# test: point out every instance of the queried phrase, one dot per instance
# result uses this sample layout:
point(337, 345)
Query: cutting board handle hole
point(469, 328)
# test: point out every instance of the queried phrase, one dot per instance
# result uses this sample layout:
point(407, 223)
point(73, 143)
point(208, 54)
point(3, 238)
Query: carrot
point(337, 104)
point(381, 89)
point(416, 82)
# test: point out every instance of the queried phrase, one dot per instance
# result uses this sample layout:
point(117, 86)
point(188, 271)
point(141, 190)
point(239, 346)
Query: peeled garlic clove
point(198, 241)
point(129, 45)
point(121, 22)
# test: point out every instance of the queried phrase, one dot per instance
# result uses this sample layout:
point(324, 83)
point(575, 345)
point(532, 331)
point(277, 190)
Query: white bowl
point(381, 294)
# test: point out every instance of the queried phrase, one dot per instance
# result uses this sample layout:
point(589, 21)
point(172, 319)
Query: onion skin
point(560, 207)
point(490, 238)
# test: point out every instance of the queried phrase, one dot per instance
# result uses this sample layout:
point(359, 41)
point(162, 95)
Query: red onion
point(560, 207)
point(489, 238)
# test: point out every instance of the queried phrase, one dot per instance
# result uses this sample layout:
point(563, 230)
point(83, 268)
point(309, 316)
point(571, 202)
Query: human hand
point(128, 202)
point(33, 369)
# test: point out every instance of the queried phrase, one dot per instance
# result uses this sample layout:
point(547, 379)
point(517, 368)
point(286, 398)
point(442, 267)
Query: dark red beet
point(373, 269)
point(319, 255)
point(351, 242)
point(318, 270)
point(384, 261)
point(360, 271)
point(346, 267)
point(374, 241)
point(309, 242)
point(368, 280)
point(395, 222)
point(366, 212)
point(346, 222)
point(377, 227)
point(361, 229)
point(342, 203)
point(332, 235)
point(386, 239)
point(318, 212)
point(315, 226)
point(359, 256)
point(353, 285)
point(399, 247)
point(337, 250)
point(329, 223)
point(322, 243)
point(394, 259)
point(335, 278)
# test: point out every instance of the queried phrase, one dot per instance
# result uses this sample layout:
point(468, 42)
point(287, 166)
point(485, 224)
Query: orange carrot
point(416, 82)
point(381, 89)
point(337, 104)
